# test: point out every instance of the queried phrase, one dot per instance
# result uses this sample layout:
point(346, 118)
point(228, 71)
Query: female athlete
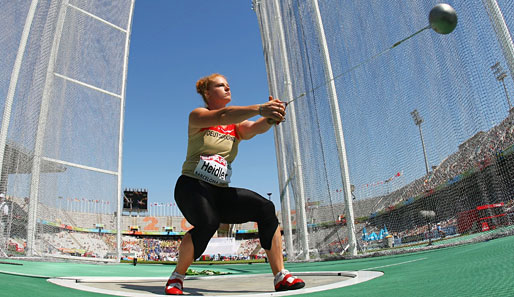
point(202, 191)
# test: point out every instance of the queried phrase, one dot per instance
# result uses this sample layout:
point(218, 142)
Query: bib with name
point(213, 169)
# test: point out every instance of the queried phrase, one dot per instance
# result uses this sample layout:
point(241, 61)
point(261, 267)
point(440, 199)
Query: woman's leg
point(243, 205)
point(185, 254)
point(195, 199)
point(275, 257)
point(284, 280)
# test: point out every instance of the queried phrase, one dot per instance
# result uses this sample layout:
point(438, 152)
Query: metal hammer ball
point(443, 18)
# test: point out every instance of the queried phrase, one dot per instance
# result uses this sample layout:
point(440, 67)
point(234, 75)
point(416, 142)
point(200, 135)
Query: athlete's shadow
point(159, 289)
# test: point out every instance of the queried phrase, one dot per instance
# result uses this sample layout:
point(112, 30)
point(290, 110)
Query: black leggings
point(205, 206)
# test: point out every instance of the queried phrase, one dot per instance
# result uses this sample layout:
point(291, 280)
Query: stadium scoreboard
point(135, 200)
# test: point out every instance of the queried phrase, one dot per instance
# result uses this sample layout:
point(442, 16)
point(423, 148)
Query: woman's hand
point(274, 110)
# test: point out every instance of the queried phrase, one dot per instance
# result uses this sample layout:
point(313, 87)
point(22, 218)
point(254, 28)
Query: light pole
point(418, 120)
point(500, 76)
point(428, 215)
point(269, 196)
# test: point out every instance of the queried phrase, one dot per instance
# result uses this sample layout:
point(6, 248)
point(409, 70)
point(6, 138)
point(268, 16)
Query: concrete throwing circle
point(254, 285)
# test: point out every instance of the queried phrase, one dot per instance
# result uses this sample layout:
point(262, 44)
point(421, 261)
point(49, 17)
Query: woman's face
point(218, 92)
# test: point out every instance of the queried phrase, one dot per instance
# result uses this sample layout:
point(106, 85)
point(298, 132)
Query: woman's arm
point(248, 129)
point(202, 117)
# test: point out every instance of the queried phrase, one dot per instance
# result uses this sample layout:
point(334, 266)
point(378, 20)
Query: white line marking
point(361, 276)
point(415, 260)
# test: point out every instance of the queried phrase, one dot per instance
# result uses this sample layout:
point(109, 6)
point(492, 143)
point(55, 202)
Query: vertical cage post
point(301, 217)
point(119, 202)
point(338, 129)
point(284, 192)
point(6, 118)
point(41, 127)
point(502, 32)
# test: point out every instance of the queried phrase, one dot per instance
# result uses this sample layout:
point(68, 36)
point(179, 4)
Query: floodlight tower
point(418, 120)
point(500, 75)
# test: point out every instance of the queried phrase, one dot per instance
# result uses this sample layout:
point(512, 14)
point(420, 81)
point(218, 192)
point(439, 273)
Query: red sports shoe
point(174, 287)
point(289, 282)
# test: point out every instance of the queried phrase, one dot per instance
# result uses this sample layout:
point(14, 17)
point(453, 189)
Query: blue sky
point(173, 44)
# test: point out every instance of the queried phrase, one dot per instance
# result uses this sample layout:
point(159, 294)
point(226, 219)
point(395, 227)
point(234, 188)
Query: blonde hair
point(203, 84)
